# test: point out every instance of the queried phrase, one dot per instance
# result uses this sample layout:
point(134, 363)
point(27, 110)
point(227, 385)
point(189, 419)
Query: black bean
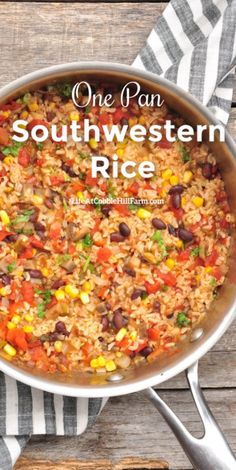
point(177, 189)
point(6, 280)
point(118, 319)
point(35, 273)
point(108, 305)
point(49, 203)
point(39, 227)
point(176, 200)
point(156, 306)
point(11, 238)
point(34, 217)
point(58, 283)
point(185, 235)
point(124, 229)
point(105, 323)
point(60, 327)
point(158, 224)
point(50, 115)
point(106, 209)
point(101, 308)
point(67, 169)
point(52, 337)
point(116, 237)
point(2, 156)
point(172, 230)
point(146, 351)
point(136, 294)
point(124, 122)
point(130, 271)
point(207, 170)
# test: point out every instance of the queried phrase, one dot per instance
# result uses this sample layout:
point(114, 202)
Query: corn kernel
point(183, 201)
point(37, 199)
point(120, 153)
point(74, 116)
point(179, 244)
point(87, 287)
point(208, 269)
point(93, 144)
point(142, 120)
point(45, 272)
point(72, 291)
point(24, 115)
point(170, 263)
point(110, 366)
point(198, 277)
point(150, 257)
point(80, 196)
point(33, 106)
point(84, 297)
point(28, 318)
point(59, 294)
point(4, 291)
point(10, 325)
point(28, 328)
point(16, 319)
point(133, 335)
point(121, 334)
point(101, 361)
point(132, 121)
point(174, 180)
point(9, 350)
point(188, 175)
point(4, 217)
point(6, 114)
point(8, 160)
point(198, 201)
point(58, 346)
point(143, 213)
point(167, 174)
point(94, 363)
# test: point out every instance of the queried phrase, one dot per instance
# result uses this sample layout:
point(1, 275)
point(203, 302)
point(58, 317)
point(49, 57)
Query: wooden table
point(35, 35)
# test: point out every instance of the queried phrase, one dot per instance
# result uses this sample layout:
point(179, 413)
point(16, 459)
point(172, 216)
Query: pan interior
point(222, 310)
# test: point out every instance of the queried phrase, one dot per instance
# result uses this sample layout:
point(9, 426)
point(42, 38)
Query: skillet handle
point(210, 451)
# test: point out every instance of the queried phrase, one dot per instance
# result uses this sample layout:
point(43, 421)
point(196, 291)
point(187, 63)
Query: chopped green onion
point(11, 267)
point(184, 153)
point(87, 240)
point(195, 251)
point(182, 319)
point(12, 149)
point(157, 237)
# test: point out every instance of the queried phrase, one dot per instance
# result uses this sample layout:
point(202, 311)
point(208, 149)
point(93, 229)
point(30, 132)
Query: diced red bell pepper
point(17, 337)
point(27, 291)
point(4, 136)
point(118, 115)
point(184, 255)
point(153, 333)
point(96, 226)
point(104, 118)
point(36, 122)
point(133, 188)
point(23, 157)
point(4, 234)
point(211, 260)
point(217, 273)
point(57, 180)
point(168, 278)
point(55, 231)
point(36, 243)
point(164, 144)
point(122, 208)
point(89, 180)
point(27, 253)
point(152, 288)
point(103, 254)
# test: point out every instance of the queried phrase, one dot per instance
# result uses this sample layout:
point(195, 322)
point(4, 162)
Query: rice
point(76, 292)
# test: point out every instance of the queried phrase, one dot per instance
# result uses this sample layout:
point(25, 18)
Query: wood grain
point(38, 34)
point(124, 464)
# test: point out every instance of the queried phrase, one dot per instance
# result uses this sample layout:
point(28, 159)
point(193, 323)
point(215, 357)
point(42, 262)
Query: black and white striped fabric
point(25, 411)
point(194, 45)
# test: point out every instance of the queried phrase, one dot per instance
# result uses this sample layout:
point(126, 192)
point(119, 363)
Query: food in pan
point(98, 287)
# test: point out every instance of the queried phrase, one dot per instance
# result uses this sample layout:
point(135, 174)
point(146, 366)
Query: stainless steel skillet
point(212, 451)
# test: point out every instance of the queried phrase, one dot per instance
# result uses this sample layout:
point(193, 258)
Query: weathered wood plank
point(53, 33)
point(124, 464)
point(130, 426)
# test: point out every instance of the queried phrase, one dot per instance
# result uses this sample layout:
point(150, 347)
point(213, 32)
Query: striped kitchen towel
point(193, 44)
point(25, 411)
